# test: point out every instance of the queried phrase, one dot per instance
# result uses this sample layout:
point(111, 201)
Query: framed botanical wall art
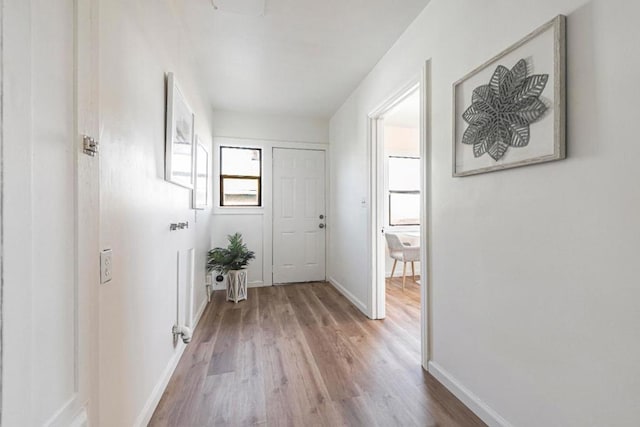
point(179, 144)
point(510, 111)
point(201, 187)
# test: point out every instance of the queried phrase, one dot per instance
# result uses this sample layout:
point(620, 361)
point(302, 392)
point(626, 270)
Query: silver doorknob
point(321, 216)
point(321, 225)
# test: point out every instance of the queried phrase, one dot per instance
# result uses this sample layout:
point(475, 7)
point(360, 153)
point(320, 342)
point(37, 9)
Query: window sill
point(237, 210)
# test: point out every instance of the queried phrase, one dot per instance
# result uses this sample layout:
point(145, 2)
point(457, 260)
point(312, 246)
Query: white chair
point(401, 252)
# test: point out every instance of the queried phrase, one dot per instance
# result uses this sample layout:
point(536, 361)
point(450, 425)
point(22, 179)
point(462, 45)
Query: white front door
point(298, 215)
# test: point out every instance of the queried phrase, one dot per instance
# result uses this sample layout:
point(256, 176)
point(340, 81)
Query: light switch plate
point(106, 266)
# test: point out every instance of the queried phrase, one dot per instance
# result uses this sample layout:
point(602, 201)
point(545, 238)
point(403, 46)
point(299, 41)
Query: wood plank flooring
point(302, 355)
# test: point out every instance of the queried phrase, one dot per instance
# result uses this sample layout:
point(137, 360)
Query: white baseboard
point(220, 286)
point(473, 402)
point(258, 285)
point(348, 295)
point(199, 313)
point(153, 400)
point(81, 420)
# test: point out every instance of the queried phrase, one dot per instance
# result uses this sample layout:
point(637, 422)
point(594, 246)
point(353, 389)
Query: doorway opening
point(398, 211)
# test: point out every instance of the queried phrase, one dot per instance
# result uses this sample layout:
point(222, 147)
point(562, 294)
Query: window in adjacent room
point(240, 176)
point(404, 190)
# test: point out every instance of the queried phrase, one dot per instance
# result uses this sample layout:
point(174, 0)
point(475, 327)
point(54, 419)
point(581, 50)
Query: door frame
point(2, 60)
point(376, 241)
point(307, 147)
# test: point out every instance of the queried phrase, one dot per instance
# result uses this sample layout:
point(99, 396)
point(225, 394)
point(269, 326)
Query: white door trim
point(87, 94)
point(425, 214)
point(376, 243)
point(2, 58)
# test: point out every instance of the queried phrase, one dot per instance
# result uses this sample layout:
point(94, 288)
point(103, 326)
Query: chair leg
point(393, 269)
point(413, 271)
point(404, 274)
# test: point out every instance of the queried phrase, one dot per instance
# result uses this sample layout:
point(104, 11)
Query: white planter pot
point(236, 285)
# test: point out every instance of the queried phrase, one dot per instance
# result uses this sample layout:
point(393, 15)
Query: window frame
point(390, 192)
point(246, 177)
point(392, 224)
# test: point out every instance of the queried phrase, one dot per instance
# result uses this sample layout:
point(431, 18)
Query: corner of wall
point(352, 298)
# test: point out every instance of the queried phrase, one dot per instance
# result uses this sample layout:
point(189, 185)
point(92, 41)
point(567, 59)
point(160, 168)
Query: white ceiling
point(405, 114)
point(302, 57)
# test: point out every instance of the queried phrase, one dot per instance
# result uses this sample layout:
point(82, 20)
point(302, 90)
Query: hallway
point(303, 355)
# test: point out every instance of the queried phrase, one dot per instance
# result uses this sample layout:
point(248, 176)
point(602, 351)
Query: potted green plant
point(232, 261)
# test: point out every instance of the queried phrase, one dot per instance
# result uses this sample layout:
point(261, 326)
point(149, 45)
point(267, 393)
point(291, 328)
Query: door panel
point(298, 201)
point(50, 195)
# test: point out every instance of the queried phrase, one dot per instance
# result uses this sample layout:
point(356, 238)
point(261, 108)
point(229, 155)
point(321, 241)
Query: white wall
point(252, 222)
point(270, 127)
point(140, 42)
point(534, 303)
point(401, 141)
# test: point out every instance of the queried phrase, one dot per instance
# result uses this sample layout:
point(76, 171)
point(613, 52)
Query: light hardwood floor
point(302, 355)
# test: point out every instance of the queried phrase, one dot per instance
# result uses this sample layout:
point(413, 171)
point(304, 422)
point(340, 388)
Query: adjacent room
point(399, 199)
point(401, 165)
point(319, 213)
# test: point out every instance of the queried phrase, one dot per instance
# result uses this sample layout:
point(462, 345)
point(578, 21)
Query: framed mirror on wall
point(179, 144)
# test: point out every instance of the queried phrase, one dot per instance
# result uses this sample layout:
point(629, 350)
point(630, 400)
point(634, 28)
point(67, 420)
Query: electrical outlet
point(106, 266)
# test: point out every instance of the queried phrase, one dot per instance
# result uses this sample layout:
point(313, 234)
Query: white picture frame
point(492, 144)
point(179, 137)
point(200, 194)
